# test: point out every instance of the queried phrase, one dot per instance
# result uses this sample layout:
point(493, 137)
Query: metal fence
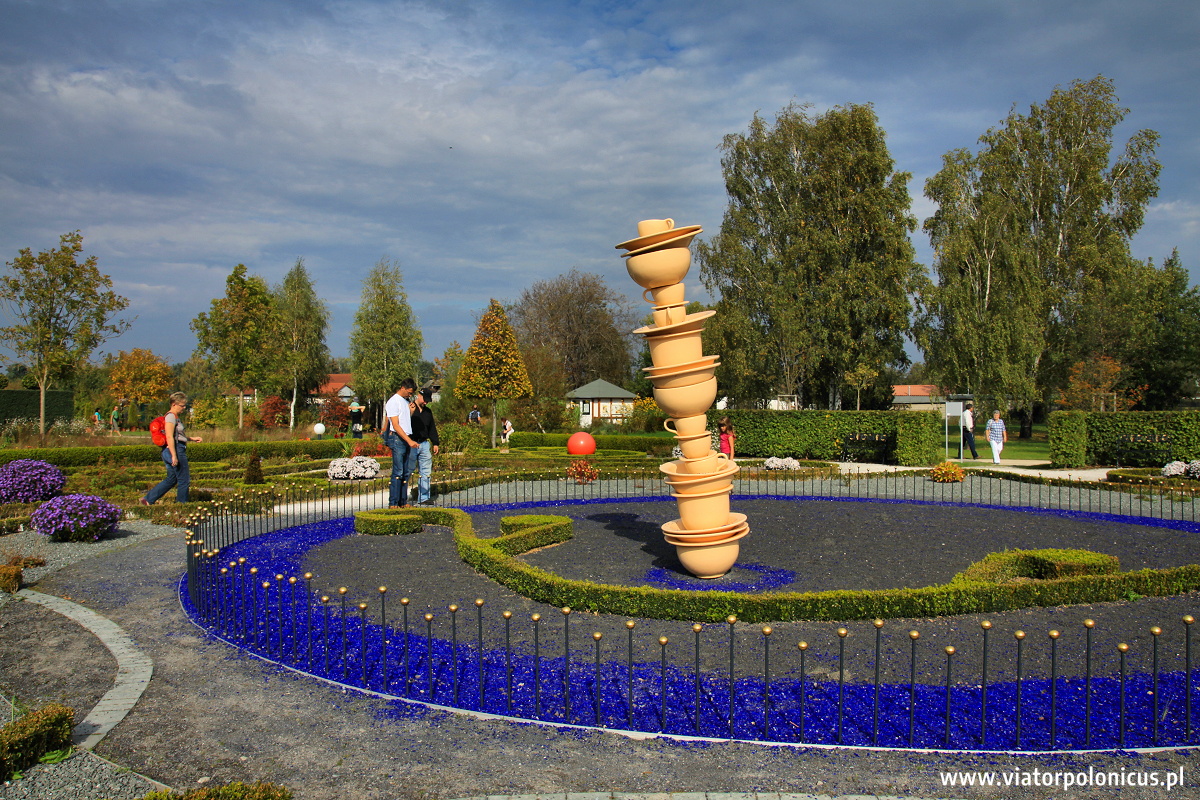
point(861, 684)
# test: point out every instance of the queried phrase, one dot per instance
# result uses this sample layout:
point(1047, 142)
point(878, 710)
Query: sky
point(485, 146)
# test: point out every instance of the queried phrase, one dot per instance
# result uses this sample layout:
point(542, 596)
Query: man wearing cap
point(424, 431)
point(397, 436)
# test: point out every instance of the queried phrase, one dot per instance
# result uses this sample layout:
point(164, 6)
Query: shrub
point(387, 521)
point(352, 469)
point(230, 791)
point(28, 481)
point(10, 578)
point(27, 739)
point(947, 472)
point(372, 447)
point(581, 471)
point(254, 472)
point(77, 518)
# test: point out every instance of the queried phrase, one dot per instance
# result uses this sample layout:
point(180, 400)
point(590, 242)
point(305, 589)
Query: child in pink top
point(725, 428)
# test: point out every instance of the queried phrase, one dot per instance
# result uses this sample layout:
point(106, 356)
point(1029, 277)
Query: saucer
point(675, 240)
point(686, 324)
point(657, 238)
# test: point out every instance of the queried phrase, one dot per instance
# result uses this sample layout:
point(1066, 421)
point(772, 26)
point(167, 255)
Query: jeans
point(424, 469)
point(177, 476)
point(968, 440)
point(403, 460)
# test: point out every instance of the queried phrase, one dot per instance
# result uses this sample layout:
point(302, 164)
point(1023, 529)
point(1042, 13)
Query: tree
point(61, 311)
point(493, 368)
point(239, 333)
point(139, 376)
point(1028, 234)
point(198, 379)
point(582, 326)
point(385, 344)
point(303, 321)
point(812, 265)
point(1094, 385)
point(451, 407)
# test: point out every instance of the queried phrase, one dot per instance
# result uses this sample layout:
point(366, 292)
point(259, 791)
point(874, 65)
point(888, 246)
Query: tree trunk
point(292, 409)
point(493, 424)
point(241, 396)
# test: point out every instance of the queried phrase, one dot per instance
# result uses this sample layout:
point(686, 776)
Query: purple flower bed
point(76, 518)
point(28, 481)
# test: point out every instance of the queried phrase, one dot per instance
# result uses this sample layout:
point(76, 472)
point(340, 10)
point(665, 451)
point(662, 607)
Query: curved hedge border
point(387, 522)
point(965, 594)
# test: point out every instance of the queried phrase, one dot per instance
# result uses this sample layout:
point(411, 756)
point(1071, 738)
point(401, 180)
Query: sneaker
point(429, 502)
point(143, 501)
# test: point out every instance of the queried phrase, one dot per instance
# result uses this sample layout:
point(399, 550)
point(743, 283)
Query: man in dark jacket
point(426, 435)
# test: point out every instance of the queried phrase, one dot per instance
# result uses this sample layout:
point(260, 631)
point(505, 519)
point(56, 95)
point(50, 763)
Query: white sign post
point(954, 408)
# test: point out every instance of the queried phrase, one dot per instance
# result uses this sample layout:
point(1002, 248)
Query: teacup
point(649, 226)
point(669, 314)
point(683, 427)
point(703, 465)
point(668, 349)
point(667, 295)
point(706, 510)
point(661, 267)
point(695, 446)
point(687, 401)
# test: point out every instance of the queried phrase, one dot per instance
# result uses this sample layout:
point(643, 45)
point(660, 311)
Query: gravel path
point(215, 714)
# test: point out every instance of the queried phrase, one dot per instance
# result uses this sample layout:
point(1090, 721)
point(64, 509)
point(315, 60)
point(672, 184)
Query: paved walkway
point(1033, 468)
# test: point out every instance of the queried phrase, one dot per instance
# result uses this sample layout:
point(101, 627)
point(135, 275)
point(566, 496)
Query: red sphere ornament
point(581, 444)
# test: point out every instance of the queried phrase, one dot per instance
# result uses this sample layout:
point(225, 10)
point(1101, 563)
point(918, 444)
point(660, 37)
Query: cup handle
point(646, 292)
point(670, 223)
point(667, 424)
point(723, 455)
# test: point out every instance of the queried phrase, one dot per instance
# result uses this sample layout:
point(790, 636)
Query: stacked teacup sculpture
point(706, 535)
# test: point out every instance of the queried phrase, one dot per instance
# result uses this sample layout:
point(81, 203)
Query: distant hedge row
point(24, 403)
point(1128, 438)
point(910, 438)
point(150, 454)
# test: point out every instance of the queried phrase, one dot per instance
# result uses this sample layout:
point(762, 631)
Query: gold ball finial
point(453, 608)
point(428, 617)
point(878, 623)
point(597, 635)
point(507, 615)
point(1019, 635)
point(1188, 619)
point(292, 580)
point(697, 627)
point(1055, 634)
point(662, 640)
point(479, 602)
point(842, 632)
point(732, 618)
point(342, 590)
point(1124, 648)
point(324, 598)
point(950, 650)
point(536, 617)
point(986, 624)
point(914, 635)
point(362, 606)
point(278, 576)
point(1089, 623)
point(266, 584)
point(630, 624)
point(1156, 631)
point(308, 576)
point(566, 610)
point(767, 630)
point(253, 570)
point(802, 646)
point(404, 601)
point(383, 590)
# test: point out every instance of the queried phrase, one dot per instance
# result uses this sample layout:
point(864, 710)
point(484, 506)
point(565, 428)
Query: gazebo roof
point(600, 390)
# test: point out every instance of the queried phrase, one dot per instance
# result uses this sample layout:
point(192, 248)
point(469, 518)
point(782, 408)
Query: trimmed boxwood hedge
point(912, 438)
point(150, 454)
point(604, 441)
point(1080, 438)
point(387, 522)
point(965, 594)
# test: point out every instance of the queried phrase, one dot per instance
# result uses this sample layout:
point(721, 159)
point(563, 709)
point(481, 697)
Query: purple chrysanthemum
point(76, 518)
point(28, 481)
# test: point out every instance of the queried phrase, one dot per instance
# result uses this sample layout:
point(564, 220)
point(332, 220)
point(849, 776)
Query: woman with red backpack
point(173, 440)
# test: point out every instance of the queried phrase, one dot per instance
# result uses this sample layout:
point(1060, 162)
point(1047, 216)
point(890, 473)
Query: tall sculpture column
point(706, 535)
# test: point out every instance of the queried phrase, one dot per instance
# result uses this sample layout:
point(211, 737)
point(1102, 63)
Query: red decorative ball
point(581, 444)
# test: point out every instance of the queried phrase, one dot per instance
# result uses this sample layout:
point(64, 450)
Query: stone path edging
point(134, 668)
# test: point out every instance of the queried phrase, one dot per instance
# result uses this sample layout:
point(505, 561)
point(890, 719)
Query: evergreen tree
point(493, 368)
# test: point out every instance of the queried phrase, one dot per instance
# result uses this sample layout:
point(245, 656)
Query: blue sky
point(488, 145)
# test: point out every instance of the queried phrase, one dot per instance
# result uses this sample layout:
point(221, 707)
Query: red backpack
point(158, 431)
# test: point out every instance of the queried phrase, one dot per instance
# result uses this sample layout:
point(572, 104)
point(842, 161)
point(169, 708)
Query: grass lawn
point(1035, 449)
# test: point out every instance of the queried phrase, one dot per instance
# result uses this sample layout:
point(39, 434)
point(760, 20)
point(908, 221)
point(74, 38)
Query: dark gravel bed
point(214, 714)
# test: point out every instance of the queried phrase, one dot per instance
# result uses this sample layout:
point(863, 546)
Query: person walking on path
point(425, 433)
point(968, 431)
point(397, 436)
point(174, 454)
point(114, 419)
point(997, 435)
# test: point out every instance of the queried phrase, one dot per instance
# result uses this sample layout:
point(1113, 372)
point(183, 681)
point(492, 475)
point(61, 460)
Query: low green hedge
point(911, 438)
point(1084, 578)
point(387, 522)
point(1047, 564)
point(10, 578)
point(604, 441)
point(1080, 438)
point(24, 741)
point(150, 454)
